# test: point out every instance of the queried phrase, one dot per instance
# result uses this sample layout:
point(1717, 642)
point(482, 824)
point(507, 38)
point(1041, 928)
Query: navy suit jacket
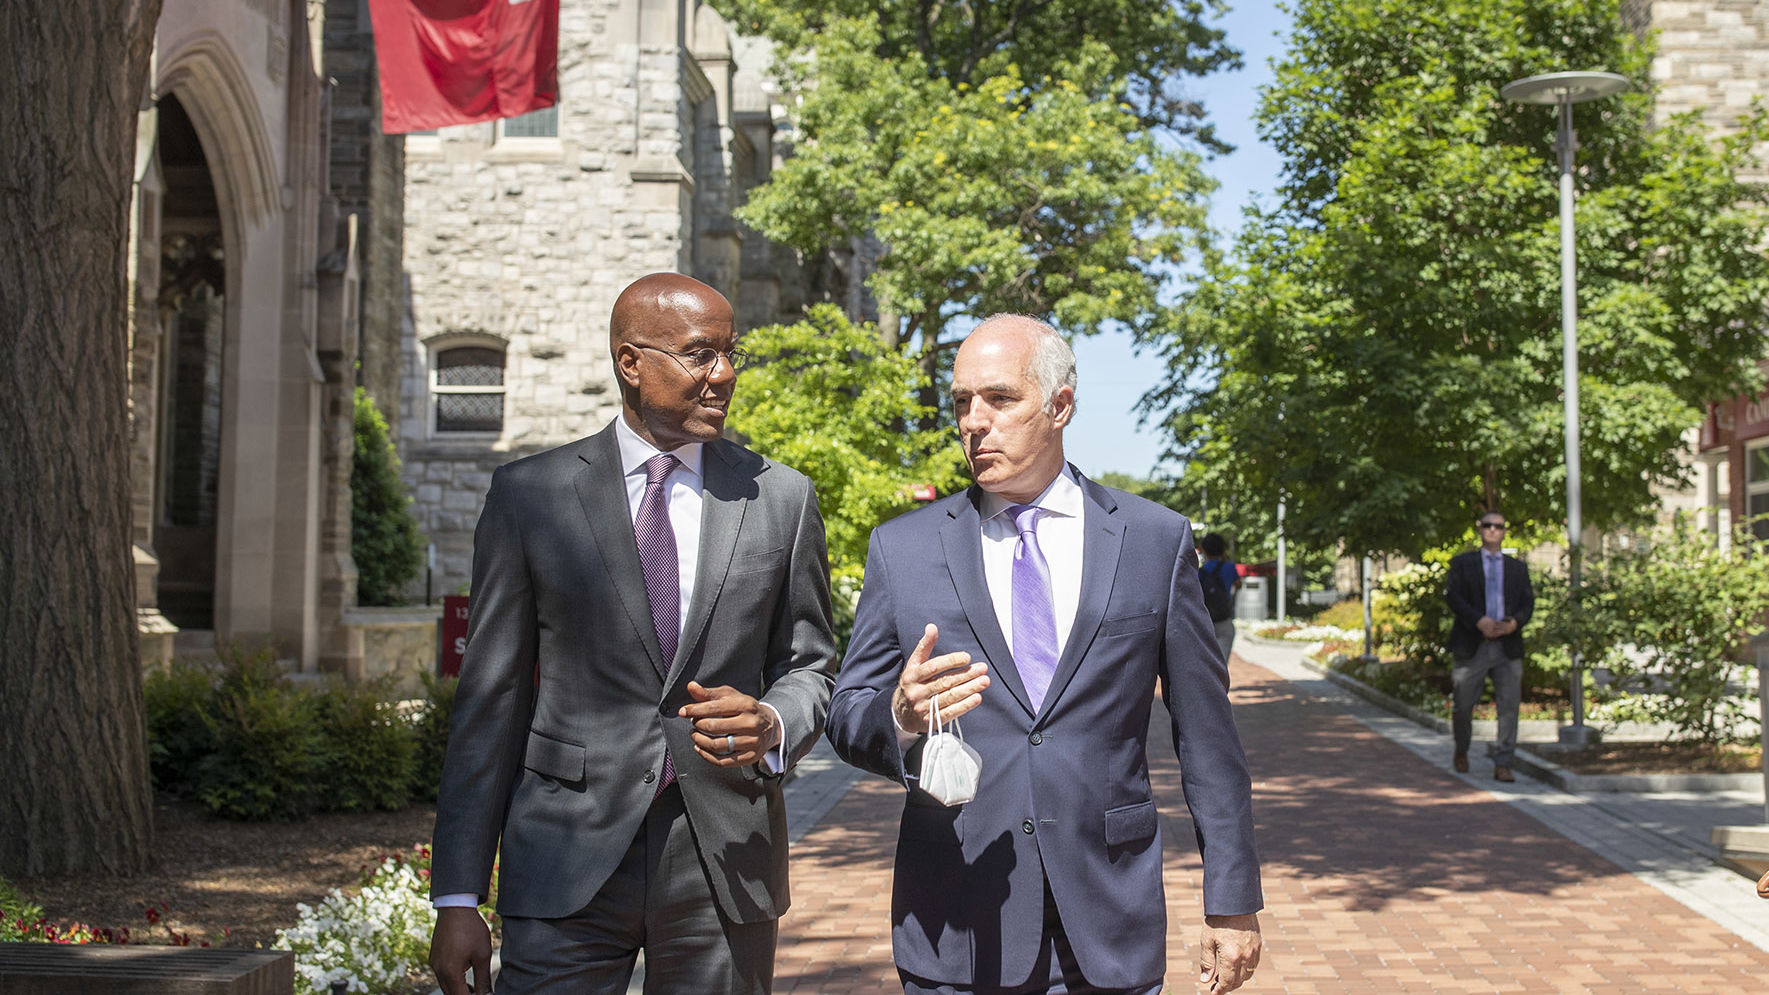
point(1064, 794)
point(1466, 595)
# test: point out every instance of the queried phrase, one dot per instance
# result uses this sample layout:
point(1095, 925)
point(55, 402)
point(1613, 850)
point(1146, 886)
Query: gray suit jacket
point(1064, 794)
point(565, 704)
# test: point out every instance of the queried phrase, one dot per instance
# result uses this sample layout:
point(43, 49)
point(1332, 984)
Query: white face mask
point(949, 767)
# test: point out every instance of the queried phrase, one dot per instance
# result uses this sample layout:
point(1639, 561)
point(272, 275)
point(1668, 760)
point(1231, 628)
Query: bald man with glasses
point(1492, 600)
point(649, 652)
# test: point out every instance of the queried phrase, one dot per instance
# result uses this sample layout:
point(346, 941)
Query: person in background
point(1218, 568)
point(1490, 595)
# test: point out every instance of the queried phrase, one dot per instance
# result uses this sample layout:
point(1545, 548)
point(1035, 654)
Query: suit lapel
point(1103, 539)
point(601, 490)
point(962, 541)
point(722, 504)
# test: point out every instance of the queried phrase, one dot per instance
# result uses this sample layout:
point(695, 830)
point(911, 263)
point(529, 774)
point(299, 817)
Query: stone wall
point(367, 178)
point(524, 244)
point(1713, 57)
point(399, 643)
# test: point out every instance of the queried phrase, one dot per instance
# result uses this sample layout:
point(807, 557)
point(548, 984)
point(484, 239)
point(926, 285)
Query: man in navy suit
point(1491, 597)
point(1056, 603)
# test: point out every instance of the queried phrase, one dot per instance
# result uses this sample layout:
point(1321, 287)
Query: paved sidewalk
point(1384, 872)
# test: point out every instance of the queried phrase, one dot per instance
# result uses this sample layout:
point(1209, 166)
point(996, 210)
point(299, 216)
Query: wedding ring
point(730, 744)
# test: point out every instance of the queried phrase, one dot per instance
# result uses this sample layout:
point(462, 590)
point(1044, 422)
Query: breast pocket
point(1125, 625)
point(766, 561)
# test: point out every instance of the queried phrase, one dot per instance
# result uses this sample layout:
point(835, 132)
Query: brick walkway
point(1383, 873)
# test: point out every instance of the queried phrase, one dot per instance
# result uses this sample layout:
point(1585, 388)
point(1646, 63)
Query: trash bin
point(1251, 603)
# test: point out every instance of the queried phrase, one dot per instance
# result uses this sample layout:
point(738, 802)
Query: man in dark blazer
point(649, 649)
point(1056, 604)
point(1490, 595)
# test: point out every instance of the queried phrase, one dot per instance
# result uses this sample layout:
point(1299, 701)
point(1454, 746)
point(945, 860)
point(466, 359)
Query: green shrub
point(384, 537)
point(429, 727)
point(1347, 614)
point(1411, 612)
point(249, 744)
point(17, 913)
point(176, 700)
point(366, 748)
point(1670, 614)
point(268, 746)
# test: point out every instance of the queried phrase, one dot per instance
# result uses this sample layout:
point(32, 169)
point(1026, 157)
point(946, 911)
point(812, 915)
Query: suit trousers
point(1469, 678)
point(657, 900)
point(1059, 976)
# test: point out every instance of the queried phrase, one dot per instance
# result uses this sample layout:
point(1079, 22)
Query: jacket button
point(1037, 738)
point(1026, 827)
point(649, 777)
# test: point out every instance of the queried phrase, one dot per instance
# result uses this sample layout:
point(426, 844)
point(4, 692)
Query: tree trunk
point(76, 793)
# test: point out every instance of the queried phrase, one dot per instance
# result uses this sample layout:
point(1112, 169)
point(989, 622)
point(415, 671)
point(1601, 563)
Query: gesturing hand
point(958, 683)
point(731, 729)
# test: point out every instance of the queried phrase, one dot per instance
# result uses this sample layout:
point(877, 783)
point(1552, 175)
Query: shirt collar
point(1062, 497)
point(634, 451)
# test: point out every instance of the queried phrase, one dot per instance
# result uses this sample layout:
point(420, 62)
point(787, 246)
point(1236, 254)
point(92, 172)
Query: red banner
point(446, 62)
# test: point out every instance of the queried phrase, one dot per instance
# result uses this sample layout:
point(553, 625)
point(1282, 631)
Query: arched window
point(467, 385)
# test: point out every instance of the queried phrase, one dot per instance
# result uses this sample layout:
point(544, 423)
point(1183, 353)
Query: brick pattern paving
point(1383, 873)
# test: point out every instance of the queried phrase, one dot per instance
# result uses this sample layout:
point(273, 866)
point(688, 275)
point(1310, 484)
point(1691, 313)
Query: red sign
point(454, 634)
point(444, 62)
point(923, 492)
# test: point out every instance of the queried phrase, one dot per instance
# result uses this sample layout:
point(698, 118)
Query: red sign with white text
point(454, 634)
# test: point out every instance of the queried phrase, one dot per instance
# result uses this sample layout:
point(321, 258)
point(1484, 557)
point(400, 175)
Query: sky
point(1105, 436)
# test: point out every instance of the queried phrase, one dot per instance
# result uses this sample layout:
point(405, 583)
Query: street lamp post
point(1564, 90)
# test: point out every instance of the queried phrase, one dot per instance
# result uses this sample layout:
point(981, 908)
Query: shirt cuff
point(905, 739)
point(461, 901)
point(774, 761)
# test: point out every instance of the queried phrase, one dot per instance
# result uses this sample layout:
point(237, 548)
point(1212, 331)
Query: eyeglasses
point(701, 362)
point(1493, 525)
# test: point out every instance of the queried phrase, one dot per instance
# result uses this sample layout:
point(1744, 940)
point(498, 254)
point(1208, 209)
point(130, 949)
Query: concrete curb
point(1533, 764)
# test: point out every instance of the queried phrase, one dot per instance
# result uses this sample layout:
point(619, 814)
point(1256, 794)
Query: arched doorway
point(193, 282)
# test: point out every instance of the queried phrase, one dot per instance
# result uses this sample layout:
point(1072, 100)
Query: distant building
point(1713, 58)
point(519, 234)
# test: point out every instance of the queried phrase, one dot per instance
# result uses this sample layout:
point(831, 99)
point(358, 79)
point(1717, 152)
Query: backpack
point(1218, 600)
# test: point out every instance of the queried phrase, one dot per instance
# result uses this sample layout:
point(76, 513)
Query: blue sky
point(1105, 436)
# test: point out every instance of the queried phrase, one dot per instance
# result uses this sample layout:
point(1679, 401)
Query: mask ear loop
point(935, 726)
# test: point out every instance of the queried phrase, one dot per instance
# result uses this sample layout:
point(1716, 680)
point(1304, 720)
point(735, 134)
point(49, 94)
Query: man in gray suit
point(1058, 604)
point(649, 649)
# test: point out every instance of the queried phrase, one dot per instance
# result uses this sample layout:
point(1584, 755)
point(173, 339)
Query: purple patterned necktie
point(1034, 621)
point(657, 559)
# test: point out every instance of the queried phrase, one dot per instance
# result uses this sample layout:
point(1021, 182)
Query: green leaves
point(1002, 168)
point(827, 398)
point(1383, 346)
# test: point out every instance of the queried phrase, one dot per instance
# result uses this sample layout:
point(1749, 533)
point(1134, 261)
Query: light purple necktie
point(657, 559)
point(1034, 621)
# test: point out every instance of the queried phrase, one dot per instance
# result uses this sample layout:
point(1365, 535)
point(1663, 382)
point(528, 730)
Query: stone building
point(1713, 58)
point(519, 234)
point(246, 307)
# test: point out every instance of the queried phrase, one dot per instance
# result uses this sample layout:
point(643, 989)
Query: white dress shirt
point(1060, 531)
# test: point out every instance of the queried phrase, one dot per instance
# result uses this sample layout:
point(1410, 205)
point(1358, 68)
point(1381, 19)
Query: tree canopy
point(1383, 345)
point(830, 400)
point(1037, 158)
